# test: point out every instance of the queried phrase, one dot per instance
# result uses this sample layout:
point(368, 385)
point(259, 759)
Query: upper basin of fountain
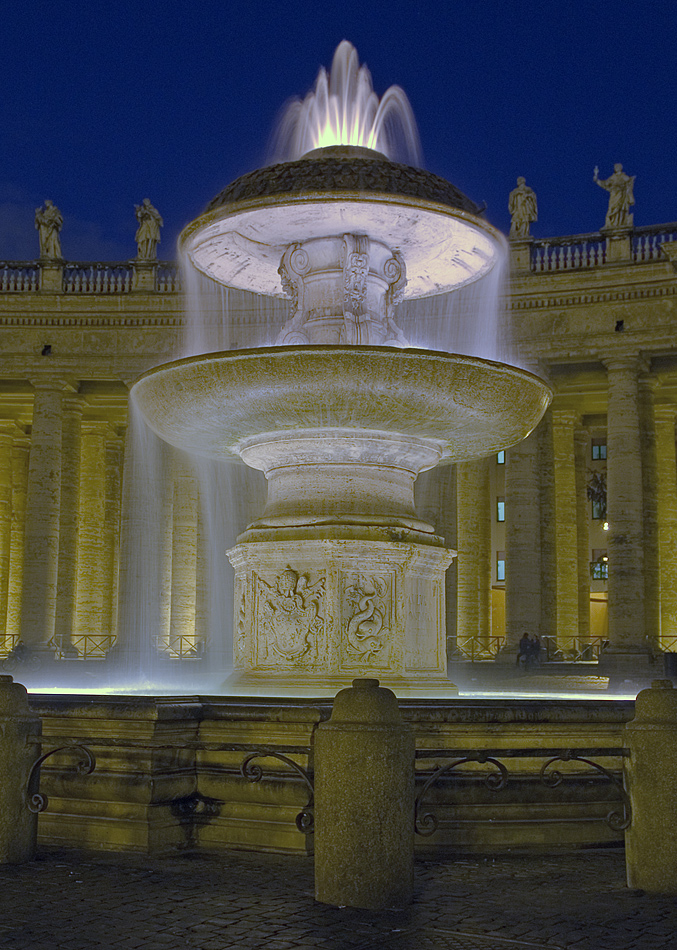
point(213, 404)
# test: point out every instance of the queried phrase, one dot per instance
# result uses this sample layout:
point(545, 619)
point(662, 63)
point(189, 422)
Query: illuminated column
point(652, 584)
point(474, 545)
point(566, 540)
point(112, 534)
point(581, 443)
point(41, 540)
point(184, 557)
point(624, 509)
point(667, 524)
point(90, 563)
point(20, 452)
point(522, 544)
point(68, 530)
point(6, 443)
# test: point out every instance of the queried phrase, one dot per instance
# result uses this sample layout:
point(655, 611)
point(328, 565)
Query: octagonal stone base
point(316, 613)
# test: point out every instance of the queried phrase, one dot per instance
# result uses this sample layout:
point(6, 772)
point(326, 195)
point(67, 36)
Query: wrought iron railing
point(426, 822)
point(186, 647)
point(93, 646)
point(477, 649)
point(575, 650)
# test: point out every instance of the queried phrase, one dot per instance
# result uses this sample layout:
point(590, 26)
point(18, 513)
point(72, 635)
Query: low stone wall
point(168, 773)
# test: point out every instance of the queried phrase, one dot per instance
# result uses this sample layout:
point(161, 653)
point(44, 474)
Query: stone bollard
point(364, 801)
point(651, 782)
point(19, 749)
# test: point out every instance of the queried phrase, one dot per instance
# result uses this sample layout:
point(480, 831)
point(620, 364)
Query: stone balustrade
point(580, 251)
point(89, 277)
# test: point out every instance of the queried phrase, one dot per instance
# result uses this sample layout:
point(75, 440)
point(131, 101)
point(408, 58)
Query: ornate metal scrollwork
point(425, 824)
point(37, 801)
point(617, 821)
point(305, 820)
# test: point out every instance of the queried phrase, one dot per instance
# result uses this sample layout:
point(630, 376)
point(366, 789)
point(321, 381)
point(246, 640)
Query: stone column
point(43, 502)
point(624, 511)
point(473, 622)
point(566, 536)
point(64, 625)
point(652, 587)
point(90, 567)
point(20, 451)
point(6, 443)
point(184, 557)
point(667, 524)
point(112, 535)
point(581, 444)
point(522, 544)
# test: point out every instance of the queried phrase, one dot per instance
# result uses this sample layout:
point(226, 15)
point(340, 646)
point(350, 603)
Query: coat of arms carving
point(290, 613)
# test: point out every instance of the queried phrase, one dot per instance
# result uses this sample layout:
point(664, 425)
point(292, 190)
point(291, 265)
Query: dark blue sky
point(103, 104)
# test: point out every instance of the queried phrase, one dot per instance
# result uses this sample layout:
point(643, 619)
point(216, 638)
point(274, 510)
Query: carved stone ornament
point(365, 607)
point(290, 613)
point(294, 265)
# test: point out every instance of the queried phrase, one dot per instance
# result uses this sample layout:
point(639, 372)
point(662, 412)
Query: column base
point(628, 663)
point(241, 683)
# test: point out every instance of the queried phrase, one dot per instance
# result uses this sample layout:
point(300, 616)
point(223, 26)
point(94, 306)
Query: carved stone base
point(315, 614)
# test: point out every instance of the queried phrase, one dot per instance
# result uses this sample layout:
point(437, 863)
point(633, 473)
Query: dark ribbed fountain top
point(341, 168)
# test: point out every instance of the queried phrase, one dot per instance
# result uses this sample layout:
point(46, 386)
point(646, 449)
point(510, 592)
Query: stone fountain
point(339, 577)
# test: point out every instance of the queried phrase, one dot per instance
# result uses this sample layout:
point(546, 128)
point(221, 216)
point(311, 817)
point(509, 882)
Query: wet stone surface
point(70, 900)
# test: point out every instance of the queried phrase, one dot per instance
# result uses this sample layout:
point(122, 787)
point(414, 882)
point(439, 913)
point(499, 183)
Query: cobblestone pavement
point(70, 900)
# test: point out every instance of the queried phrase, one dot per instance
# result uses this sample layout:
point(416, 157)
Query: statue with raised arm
point(523, 209)
point(620, 187)
point(147, 235)
point(48, 222)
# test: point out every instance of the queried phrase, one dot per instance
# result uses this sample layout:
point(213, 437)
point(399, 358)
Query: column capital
point(665, 412)
point(629, 363)
point(565, 416)
point(54, 383)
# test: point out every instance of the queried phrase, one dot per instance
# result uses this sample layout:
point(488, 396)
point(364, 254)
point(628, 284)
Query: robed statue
point(49, 221)
point(147, 235)
point(523, 209)
point(620, 187)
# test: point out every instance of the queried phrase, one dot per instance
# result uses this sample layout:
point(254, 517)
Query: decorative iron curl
point(425, 823)
point(305, 820)
point(37, 801)
point(616, 820)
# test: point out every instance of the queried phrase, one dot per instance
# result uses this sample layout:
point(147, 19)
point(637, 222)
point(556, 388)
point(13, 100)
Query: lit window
point(599, 566)
point(500, 565)
point(500, 458)
point(500, 509)
point(598, 449)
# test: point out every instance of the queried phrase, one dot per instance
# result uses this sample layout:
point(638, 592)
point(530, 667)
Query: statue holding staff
point(523, 209)
point(48, 222)
point(147, 235)
point(620, 187)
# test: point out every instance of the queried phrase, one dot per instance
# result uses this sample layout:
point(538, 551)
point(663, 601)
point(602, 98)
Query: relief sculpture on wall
point(290, 613)
point(365, 603)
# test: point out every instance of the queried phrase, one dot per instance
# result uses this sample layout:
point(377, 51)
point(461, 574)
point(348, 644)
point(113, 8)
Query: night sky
point(104, 104)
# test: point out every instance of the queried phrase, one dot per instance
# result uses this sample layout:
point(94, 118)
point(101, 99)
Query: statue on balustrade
point(147, 235)
point(48, 222)
point(523, 208)
point(620, 187)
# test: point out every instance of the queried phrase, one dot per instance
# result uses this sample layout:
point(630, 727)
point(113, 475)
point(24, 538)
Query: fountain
point(339, 577)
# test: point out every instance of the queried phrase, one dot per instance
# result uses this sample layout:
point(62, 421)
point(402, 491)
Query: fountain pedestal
point(319, 612)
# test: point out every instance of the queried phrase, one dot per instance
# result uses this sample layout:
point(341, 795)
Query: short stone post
point(19, 749)
point(364, 801)
point(651, 781)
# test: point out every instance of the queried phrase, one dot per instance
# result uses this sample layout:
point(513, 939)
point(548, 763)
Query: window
point(598, 510)
point(500, 458)
point(500, 565)
point(599, 566)
point(500, 509)
point(598, 450)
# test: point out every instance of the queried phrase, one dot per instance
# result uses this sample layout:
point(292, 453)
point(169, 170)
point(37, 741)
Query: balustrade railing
point(93, 646)
point(568, 253)
point(104, 278)
point(168, 278)
point(16, 276)
point(646, 242)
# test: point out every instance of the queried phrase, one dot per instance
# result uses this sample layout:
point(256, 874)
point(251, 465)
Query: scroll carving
point(366, 603)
